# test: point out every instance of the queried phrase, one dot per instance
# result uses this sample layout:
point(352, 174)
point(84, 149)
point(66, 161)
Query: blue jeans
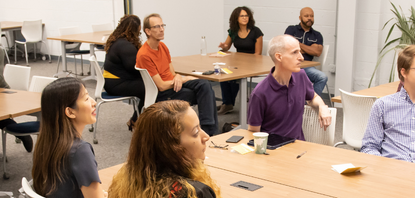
point(318, 78)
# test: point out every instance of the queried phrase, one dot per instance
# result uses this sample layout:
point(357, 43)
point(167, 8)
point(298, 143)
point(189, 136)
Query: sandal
point(130, 125)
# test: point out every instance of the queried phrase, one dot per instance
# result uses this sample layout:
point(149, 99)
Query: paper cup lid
point(260, 134)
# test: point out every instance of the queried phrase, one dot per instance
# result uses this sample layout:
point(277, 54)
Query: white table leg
point(63, 50)
point(91, 53)
point(243, 110)
point(64, 65)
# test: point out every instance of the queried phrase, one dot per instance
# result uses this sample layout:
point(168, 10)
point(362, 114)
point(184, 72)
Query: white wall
point(367, 40)
point(274, 16)
point(62, 13)
point(187, 21)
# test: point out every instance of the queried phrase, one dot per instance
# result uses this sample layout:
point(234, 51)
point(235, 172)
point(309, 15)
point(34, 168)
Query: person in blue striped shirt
point(391, 127)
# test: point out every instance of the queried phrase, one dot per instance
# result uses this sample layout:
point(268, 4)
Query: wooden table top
point(99, 38)
point(11, 25)
point(224, 179)
point(378, 91)
point(18, 103)
point(7, 25)
point(242, 65)
point(383, 177)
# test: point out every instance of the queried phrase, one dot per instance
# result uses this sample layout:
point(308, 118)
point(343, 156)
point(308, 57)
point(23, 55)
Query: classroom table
point(378, 91)
point(224, 179)
point(17, 103)
point(242, 65)
point(93, 38)
point(11, 25)
point(282, 174)
point(382, 177)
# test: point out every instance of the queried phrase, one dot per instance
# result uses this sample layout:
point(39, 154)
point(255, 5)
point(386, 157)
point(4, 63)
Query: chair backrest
point(100, 78)
point(150, 86)
point(312, 130)
point(38, 83)
point(17, 76)
point(265, 47)
point(27, 188)
point(356, 111)
point(32, 30)
point(102, 27)
point(71, 30)
point(323, 57)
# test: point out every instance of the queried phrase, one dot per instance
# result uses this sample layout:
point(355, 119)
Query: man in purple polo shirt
point(277, 103)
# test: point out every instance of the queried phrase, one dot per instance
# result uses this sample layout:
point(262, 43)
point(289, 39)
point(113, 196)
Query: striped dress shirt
point(391, 128)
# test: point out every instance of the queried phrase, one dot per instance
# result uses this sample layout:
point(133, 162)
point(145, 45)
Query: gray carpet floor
point(113, 135)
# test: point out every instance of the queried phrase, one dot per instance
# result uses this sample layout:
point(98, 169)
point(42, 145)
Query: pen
point(298, 156)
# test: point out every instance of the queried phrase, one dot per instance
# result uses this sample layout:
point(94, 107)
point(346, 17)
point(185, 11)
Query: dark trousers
point(121, 87)
point(230, 90)
point(197, 92)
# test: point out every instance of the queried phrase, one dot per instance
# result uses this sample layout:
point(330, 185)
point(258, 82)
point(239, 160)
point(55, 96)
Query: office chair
point(322, 60)
point(99, 28)
point(356, 112)
point(104, 97)
point(32, 33)
point(27, 189)
point(312, 130)
point(17, 76)
point(26, 128)
point(73, 48)
point(4, 48)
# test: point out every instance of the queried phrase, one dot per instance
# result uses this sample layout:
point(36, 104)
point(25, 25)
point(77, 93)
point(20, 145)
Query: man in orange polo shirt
point(155, 57)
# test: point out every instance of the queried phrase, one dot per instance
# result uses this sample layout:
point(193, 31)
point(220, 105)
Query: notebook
point(275, 141)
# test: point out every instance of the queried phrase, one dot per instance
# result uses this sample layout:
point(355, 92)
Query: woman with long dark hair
point(121, 78)
point(246, 38)
point(166, 156)
point(63, 164)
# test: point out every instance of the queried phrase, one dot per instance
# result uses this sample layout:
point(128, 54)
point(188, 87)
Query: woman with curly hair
point(166, 156)
point(246, 38)
point(121, 78)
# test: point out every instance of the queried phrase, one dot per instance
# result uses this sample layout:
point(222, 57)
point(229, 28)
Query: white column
point(345, 45)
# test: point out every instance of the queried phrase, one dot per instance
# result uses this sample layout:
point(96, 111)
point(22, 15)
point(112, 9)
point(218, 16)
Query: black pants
point(197, 92)
point(230, 90)
point(120, 87)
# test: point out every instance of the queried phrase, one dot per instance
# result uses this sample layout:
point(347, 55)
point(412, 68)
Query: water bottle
point(216, 68)
point(203, 47)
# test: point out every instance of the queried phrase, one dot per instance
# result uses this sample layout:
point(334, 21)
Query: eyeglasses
point(220, 146)
point(159, 26)
point(244, 16)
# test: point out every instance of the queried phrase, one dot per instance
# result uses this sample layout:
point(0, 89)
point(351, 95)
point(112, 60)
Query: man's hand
point(177, 83)
point(324, 116)
point(188, 78)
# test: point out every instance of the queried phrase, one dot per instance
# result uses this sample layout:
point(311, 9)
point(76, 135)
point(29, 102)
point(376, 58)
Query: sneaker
point(224, 109)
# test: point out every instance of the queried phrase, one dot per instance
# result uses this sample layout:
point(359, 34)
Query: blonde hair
point(156, 160)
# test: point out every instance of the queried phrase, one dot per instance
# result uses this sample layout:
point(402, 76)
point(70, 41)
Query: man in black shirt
point(311, 44)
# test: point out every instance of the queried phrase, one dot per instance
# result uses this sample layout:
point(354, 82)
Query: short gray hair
point(277, 45)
